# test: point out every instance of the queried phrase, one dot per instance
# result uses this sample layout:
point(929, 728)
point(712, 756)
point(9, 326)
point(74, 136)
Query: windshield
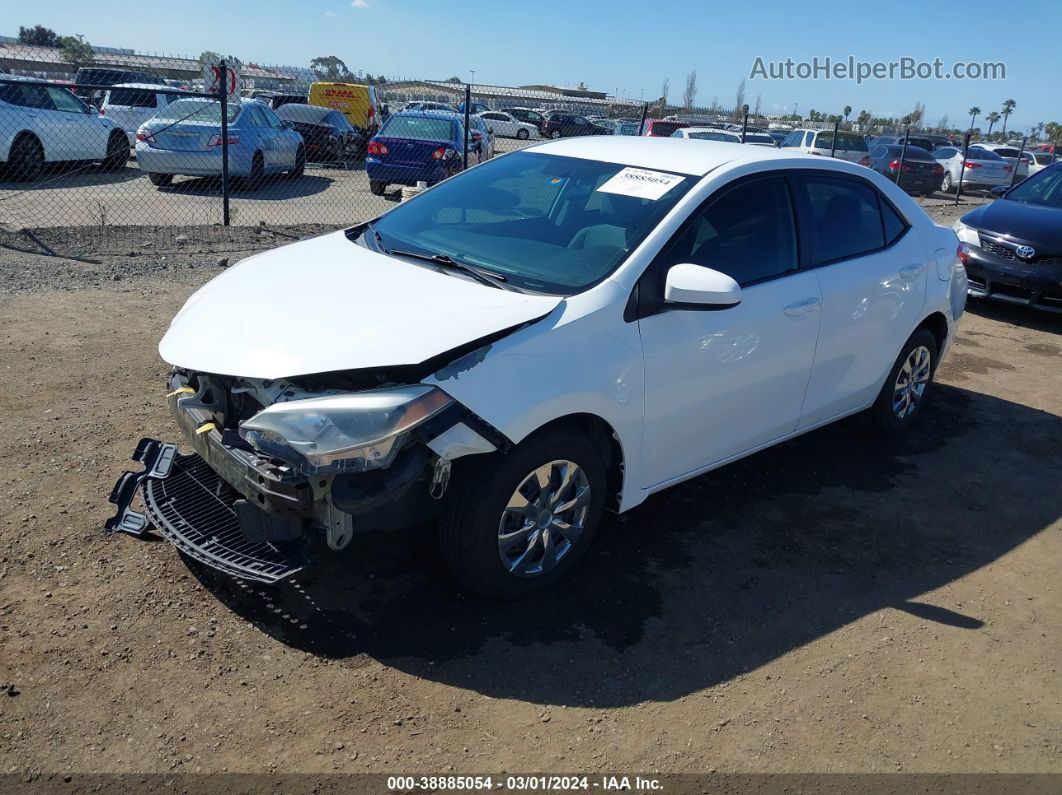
point(549, 224)
point(1043, 189)
point(196, 110)
point(418, 128)
point(977, 153)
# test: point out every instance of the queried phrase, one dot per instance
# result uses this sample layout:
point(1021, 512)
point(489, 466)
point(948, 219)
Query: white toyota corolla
point(560, 331)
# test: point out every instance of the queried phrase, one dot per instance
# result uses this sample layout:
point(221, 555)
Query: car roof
point(680, 155)
point(429, 114)
point(151, 87)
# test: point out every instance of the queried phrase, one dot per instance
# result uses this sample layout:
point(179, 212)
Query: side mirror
point(695, 284)
point(999, 191)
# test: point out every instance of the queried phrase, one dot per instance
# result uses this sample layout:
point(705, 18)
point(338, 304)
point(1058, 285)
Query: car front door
point(872, 274)
point(719, 383)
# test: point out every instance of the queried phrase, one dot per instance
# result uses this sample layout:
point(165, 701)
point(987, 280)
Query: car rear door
point(719, 383)
point(872, 271)
point(86, 134)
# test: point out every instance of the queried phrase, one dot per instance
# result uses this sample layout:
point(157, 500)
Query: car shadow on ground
point(273, 188)
point(72, 176)
point(708, 580)
point(1016, 315)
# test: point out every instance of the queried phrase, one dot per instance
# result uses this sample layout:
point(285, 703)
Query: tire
point(160, 180)
point(945, 186)
point(476, 513)
point(257, 175)
point(117, 152)
point(26, 159)
point(555, 134)
point(884, 415)
point(523, 134)
point(300, 164)
point(376, 187)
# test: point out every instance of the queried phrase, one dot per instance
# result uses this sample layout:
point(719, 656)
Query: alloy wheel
point(911, 382)
point(544, 518)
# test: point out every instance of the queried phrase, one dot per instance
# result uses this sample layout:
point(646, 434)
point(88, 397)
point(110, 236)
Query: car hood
point(1026, 222)
point(327, 304)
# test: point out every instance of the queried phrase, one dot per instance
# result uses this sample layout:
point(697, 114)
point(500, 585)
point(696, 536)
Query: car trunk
point(188, 137)
point(410, 151)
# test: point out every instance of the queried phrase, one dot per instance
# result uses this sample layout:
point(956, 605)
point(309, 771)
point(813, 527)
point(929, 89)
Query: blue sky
point(620, 45)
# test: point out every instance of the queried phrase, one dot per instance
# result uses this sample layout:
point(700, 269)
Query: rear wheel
point(517, 523)
point(26, 160)
point(905, 391)
point(522, 134)
point(300, 164)
point(117, 152)
point(555, 134)
point(376, 187)
point(160, 180)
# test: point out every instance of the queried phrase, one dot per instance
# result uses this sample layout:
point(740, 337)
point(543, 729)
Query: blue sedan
point(185, 138)
point(419, 146)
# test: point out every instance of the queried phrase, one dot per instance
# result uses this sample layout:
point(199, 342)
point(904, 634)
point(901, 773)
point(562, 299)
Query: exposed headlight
point(343, 433)
point(967, 234)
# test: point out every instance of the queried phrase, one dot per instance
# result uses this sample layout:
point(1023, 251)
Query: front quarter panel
point(581, 359)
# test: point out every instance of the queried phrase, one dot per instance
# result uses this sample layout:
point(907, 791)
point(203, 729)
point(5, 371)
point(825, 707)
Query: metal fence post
point(1021, 151)
point(223, 89)
point(645, 113)
point(903, 152)
point(836, 129)
point(962, 168)
point(745, 123)
point(468, 102)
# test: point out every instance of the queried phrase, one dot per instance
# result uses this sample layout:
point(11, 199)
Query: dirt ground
point(838, 603)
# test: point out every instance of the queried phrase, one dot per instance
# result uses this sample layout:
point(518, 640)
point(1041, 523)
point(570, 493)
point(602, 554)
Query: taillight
point(442, 153)
point(1008, 168)
point(895, 164)
point(938, 169)
point(142, 136)
point(215, 140)
point(377, 148)
point(103, 111)
point(972, 165)
point(963, 252)
point(477, 136)
point(372, 113)
point(864, 160)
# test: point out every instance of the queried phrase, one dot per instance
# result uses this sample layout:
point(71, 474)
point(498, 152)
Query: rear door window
point(132, 97)
point(845, 217)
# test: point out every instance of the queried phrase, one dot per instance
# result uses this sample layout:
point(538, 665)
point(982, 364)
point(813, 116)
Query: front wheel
point(117, 152)
point(905, 390)
point(523, 134)
point(377, 187)
point(945, 186)
point(517, 523)
point(555, 134)
point(26, 160)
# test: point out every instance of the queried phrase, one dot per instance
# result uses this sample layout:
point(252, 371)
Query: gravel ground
point(837, 603)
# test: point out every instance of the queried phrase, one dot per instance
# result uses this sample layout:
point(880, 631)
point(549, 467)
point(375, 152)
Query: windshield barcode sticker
point(641, 183)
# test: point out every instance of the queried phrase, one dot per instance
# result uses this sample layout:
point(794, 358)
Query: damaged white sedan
point(560, 331)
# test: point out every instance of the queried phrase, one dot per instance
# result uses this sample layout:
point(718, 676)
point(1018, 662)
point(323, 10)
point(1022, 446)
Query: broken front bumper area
point(202, 515)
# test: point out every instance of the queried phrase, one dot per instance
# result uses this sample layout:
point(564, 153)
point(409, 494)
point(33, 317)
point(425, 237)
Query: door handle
point(910, 272)
point(802, 307)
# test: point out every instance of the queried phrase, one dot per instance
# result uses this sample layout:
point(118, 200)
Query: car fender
point(582, 358)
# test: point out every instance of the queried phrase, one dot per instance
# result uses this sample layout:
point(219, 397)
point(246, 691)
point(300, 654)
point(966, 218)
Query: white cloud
point(360, 3)
point(330, 13)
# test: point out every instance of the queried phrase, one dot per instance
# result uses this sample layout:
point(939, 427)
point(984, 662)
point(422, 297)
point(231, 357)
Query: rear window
point(196, 110)
point(846, 141)
point(418, 128)
point(131, 97)
point(1007, 152)
point(665, 128)
point(708, 135)
point(977, 153)
point(758, 138)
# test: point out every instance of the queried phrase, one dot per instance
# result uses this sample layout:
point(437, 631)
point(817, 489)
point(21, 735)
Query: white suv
point(129, 105)
point(849, 146)
point(42, 124)
point(560, 331)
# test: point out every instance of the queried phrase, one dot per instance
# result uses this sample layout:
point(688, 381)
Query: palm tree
point(847, 110)
point(974, 111)
point(992, 118)
point(1008, 108)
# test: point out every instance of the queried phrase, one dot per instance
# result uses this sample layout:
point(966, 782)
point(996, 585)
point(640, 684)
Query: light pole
point(473, 71)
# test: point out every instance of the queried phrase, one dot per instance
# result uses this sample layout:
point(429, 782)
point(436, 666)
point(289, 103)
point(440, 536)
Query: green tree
point(76, 52)
point(1008, 108)
point(992, 118)
point(974, 112)
point(847, 112)
point(331, 68)
point(1053, 131)
point(38, 36)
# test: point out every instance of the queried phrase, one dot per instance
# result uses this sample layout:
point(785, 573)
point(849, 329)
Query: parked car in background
point(536, 340)
point(624, 127)
point(280, 100)
point(922, 142)
point(919, 172)
point(97, 76)
point(661, 128)
point(560, 124)
point(881, 140)
point(508, 126)
point(1012, 248)
point(757, 138)
point(983, 169)
point(527, 115)
point(1010, 157)
point(418, 146)
point(326, 133)
point(42, 125)
point(937, 141)
point(850, 146)
point(707, 134)
point(430, 106)
point(777, 136)
point(1040, 160)
point(131, 104)
point(473, 107)
point(358, 103)
point(480, 136)
point(185, 139)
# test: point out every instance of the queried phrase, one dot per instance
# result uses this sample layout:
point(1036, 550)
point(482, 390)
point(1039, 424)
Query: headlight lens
point(343, 433)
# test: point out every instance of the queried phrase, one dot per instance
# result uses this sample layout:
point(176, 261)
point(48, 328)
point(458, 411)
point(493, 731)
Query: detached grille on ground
point(193, 508)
